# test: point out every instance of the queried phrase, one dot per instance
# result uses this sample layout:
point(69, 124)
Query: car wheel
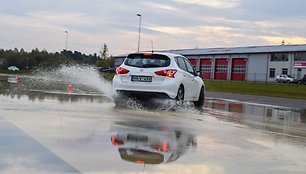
point(200, 102)
point(180, 96)
point(277, 81)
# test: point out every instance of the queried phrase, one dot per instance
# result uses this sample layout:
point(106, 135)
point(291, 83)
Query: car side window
point(180, 62)
point(189, 67)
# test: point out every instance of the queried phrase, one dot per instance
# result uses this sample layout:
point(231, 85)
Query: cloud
point(219, 4)
point(64, 19)
point(170, 30)
point(288, 39)
point(163, 7)
point(171, 24)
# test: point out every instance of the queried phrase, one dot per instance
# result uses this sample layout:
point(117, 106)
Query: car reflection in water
point(143, 143)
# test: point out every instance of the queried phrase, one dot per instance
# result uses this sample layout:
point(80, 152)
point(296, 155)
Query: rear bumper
point(167, 89)
point(143, 94)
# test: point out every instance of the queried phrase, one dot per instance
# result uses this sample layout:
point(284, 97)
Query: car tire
point(199, 104)
point(180, 96)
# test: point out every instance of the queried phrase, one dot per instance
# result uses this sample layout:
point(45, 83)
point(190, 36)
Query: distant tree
point(103, 51)
point(108, 62)
point(43, 59)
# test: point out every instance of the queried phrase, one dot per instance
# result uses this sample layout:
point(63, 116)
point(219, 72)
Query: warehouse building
point(255, 63)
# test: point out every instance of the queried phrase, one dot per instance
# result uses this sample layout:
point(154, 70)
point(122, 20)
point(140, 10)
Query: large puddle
point(49, 127)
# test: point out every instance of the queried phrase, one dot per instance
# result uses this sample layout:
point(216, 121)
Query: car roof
point(159, 53)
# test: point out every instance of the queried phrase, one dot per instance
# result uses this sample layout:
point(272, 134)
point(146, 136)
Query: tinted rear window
point(147, 60)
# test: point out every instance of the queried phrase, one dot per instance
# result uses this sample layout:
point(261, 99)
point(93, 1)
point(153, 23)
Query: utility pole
point(139, 29)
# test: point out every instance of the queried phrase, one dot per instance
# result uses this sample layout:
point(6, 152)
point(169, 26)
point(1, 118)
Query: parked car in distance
point(302, 80)
point(107, 69)
point(159, 75)
point(13, 68)
point(285, 78)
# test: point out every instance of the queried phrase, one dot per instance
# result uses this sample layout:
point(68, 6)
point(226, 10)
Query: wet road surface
point(285, 102)
point(44, 129)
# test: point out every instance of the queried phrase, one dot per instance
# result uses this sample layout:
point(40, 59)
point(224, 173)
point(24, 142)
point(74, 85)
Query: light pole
point(139, 31)
point(66, 39)
point(66, 43)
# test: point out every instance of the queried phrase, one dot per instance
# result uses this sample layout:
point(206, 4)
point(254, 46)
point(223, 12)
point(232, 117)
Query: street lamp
point(66, 43)
point(66, 39)
point(139, 31)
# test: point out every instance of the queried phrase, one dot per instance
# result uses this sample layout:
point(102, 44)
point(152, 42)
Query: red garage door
point(221, 66)
point(193, 63)
point(238, 69)
point(206, 68)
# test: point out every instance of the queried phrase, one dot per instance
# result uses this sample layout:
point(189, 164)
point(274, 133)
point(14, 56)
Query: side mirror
point(198, 73)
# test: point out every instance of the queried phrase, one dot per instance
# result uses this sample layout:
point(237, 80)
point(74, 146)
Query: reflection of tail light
point(140, 162)
point(164, 147)
point(116, 142)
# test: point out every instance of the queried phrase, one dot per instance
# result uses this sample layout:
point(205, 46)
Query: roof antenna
point(152, 46)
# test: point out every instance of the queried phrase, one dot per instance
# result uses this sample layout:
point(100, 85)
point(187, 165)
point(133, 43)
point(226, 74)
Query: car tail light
point(147, 55)
point(121, 70)
point(168, 73)
point(116, 142)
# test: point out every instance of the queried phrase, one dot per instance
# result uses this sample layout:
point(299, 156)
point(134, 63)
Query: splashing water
point(77, 75)
point(87, 76)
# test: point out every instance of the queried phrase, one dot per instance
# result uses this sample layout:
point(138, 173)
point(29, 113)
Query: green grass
point(108, 76)
point(295, 91)
point(16, 72)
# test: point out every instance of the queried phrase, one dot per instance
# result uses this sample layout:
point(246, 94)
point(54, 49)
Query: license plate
point(141, 78)
point(137, 138)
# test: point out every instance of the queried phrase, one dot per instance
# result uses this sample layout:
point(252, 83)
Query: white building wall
point(279, 65)
point(297, 74)
point(257, 67)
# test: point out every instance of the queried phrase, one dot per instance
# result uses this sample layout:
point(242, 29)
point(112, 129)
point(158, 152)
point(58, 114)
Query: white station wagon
point(159, 75)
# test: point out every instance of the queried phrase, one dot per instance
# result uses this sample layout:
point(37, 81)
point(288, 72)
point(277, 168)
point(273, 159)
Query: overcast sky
point(170, 24)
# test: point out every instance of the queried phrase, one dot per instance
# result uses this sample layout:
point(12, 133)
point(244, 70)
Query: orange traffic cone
point(17, 79)
point(69, 88)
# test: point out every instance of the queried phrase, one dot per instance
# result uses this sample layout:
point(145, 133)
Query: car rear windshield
point(147, 60)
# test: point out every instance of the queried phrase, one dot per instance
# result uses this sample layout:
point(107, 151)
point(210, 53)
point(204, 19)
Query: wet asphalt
point(284, 102)
point(49, 130)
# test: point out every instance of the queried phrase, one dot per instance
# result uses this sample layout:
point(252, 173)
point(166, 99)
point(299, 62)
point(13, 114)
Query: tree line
point(42, 58)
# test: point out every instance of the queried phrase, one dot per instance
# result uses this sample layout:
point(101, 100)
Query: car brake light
point(168, 73)
point(121, 70)
point(116, 142)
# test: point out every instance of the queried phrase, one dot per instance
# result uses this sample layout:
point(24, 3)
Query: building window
point(239, 69)
point(301, 56)
point(285, 71)
point(279, 57)
point(272, 73)
point(221, 68)
point(206, 68)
